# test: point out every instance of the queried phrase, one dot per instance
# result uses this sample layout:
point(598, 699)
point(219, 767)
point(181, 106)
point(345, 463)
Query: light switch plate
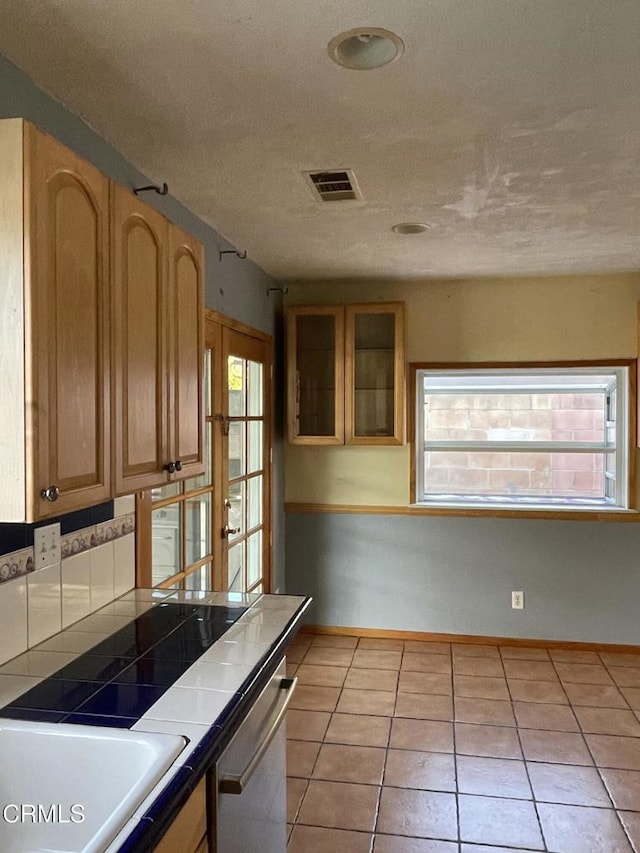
point(46, 546)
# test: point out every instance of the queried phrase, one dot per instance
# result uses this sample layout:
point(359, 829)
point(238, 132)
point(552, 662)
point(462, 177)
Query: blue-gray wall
point(581, 580)
point(236, 288)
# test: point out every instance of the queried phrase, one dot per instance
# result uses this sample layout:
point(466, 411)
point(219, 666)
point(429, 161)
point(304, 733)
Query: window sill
point(556, 514)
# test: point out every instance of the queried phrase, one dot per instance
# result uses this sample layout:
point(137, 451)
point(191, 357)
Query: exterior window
point(544, 437)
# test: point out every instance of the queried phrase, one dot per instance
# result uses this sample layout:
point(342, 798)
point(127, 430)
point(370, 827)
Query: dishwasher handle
point(235, 784)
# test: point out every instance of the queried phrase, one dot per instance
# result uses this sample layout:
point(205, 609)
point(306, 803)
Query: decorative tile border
point(92, 537)
point(16, 565)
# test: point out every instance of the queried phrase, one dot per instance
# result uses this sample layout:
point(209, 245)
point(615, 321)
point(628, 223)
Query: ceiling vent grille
point(338, 185)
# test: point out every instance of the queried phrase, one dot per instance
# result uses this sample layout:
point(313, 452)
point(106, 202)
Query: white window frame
point(623, 444)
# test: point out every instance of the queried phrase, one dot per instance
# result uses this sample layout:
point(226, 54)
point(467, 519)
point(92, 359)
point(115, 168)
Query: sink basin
point(71, 788)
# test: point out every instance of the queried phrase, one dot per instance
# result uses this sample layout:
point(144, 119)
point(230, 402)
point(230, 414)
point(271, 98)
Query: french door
point(214, 531)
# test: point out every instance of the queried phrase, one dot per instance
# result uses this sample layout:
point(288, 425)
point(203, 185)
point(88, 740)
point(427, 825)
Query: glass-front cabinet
point(346, 374)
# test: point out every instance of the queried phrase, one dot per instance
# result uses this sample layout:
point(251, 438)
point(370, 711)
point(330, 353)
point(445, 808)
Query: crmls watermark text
point(38, 813)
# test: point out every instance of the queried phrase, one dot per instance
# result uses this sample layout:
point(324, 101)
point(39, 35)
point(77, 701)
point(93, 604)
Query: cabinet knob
point(178, 465)
point(170, 467)
point(52, 493)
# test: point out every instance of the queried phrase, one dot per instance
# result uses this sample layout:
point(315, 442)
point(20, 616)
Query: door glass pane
point(198, 527)
point(256, 432)
point(170, 490)
point(200, 579)
point(236, 450)
point(204, 479)
point(165, 543)
point(237, 386)
point(255, 502)
point(374, 373)
point(254, 558)
point(315, 363)
point(235, 513)
point(235, 579)
point(256, 392)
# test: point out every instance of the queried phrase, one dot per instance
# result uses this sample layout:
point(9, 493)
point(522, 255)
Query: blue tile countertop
point(187, 663)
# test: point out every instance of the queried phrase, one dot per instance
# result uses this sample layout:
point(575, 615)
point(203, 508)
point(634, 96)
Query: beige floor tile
point(322, 676)
point(621, 753)
point(576, 829)
point(625, 676)
point(328, 656)
point(307, 725)
point(632, 695)
point(426, 663)
point(631, 822)
point(380, 644)
point(402, 844)
point(376, 659)
point(483, 848)
point(425, 682)
point(424, 706)
point(489, 820)
point(372, 679)
point(530, 670)
point(339, 805)
point(497, 712)
point(474, 650)
point(429, 735)
point(583, 673)
point(315, 839)
point(292, 668)
point(334, 642)
point(480, 687)
point(595, 695)
point(358, 729)
point(296, 654)
point(568, 784)
point(289, 829)
point(487, 741)
point(465, 665)
point(619, 659)
point(310, 698)
point(624, 787)
point(493, 777)
point(429, 771)
point(426, 814)
point(548, 692)
point(295, 792)
point(554, 747)
point(425, 647)
point(375, 702)
point(523, 653)
point(302, 640)
point(359, 764)
point(301, 757)
point(608, 721)
point(537, 715)
point(574, 656)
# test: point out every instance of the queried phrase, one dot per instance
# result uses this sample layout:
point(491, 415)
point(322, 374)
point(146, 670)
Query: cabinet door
point(186, 352)
point(141, 387)
point(68, 402)
point(315, 374)
point(374, 368)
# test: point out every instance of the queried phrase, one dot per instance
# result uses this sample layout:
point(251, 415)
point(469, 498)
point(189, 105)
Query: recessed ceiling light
point(365, 48)
point(410, 227)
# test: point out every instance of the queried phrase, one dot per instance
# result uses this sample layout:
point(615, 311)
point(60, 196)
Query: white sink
point(51, 767)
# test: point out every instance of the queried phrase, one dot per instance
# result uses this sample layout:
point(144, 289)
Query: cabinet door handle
point(230, 531)
point(170, 467)
point(52, 493)
point(178, 465)
point(235, 784)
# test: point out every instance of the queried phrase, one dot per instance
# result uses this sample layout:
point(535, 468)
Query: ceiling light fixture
point(365, 48)
point(410, 227)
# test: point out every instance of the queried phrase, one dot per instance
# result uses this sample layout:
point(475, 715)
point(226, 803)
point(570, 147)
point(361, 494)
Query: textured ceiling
point(511, 126)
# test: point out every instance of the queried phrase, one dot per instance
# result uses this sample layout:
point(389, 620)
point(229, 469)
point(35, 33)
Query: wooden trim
point(236, 325)
point(143, 540)
point(468, 639)
point(509, 365)
point(630, 516)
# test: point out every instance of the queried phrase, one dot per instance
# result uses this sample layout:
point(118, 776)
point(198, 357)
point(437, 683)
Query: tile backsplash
point(98, 565)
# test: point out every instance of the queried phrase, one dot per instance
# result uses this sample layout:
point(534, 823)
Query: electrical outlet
point(517, 600)
point(46, 546)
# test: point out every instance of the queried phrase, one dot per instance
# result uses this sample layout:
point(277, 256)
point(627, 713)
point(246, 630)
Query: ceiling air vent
point(338, 185)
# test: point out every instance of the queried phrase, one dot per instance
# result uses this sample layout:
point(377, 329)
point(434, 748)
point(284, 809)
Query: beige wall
point(564, 318)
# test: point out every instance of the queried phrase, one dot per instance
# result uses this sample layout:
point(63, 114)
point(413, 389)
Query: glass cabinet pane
point(315, 375)
point(166, 559)
point(374, 374)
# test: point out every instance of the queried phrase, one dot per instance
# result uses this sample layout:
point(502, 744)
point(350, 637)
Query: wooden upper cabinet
point(55, 425)
point(186, 352)
point(157, 273)
point(345, 368)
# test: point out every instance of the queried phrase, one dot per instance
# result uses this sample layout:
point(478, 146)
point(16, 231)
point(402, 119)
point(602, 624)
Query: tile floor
point(415, 747)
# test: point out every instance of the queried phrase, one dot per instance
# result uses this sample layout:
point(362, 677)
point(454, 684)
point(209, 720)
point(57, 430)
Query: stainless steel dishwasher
point(248, 784)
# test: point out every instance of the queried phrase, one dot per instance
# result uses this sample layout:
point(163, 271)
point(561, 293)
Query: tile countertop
point(188, 663)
